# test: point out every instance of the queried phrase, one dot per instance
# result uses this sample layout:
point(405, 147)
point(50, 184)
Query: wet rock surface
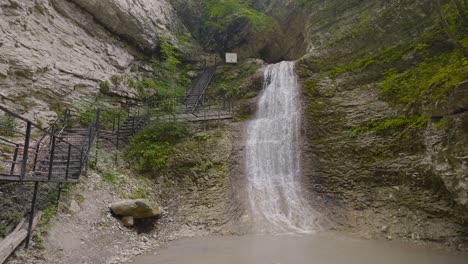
point(381, 186)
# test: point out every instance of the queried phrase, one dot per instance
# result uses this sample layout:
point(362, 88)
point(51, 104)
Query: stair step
point(56, 175)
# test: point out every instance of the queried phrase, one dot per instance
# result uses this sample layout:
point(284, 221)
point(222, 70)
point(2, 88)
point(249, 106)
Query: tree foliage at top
point(224, 20)
point(220, 14)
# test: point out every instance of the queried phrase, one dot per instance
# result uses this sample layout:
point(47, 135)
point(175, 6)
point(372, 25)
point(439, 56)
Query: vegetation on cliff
point(218, 24)
point(422, 70)
point(385, 135)
point(223, 14)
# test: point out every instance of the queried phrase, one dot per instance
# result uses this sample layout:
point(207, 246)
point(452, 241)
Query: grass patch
point(113, 178)
point(138, 193)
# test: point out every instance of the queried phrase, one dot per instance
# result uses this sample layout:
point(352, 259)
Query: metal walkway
point(122, 131)
point(29, 153)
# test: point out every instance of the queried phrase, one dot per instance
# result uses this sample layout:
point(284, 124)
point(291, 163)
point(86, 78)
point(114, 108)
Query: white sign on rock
point(231, 58)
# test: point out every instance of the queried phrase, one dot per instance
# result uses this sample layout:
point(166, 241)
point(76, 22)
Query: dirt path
point(84, 231)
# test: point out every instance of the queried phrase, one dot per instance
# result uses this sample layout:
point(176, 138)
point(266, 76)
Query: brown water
point(294, 249)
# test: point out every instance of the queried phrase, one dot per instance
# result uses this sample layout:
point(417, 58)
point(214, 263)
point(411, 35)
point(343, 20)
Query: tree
point(224, 16)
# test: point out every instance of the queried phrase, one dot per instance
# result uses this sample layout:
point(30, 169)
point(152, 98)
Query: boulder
point(138, 209)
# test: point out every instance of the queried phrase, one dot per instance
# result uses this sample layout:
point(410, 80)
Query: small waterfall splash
point(273, 157)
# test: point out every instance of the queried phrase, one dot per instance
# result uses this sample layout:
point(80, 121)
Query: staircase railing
point(88, 140)
point(124, 125)
point(210, 71)
point(22, 150)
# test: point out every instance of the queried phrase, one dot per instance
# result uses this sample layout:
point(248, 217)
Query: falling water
point(273, 157)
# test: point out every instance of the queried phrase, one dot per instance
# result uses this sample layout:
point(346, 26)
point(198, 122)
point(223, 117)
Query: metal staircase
point(122, 132)
point(30, 153)
point(195, 98)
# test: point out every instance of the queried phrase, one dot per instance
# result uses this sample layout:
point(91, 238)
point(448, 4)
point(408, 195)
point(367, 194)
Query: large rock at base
point(138, 209)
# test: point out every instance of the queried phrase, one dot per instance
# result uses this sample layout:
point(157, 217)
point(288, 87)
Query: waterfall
point(273, 157)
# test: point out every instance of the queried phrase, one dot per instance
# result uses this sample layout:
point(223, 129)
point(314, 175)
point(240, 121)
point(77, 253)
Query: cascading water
point(273, 157)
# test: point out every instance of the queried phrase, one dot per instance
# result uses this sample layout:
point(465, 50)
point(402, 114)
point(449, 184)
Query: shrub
point(151, 149)
point(104, 87)
point(7, 124)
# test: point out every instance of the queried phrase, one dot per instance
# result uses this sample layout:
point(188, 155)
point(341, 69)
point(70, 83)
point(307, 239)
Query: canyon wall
point(57, 53)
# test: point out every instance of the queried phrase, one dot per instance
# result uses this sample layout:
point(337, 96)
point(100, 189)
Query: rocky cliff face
point(286, 39)
point(55, 53)
point(141, 22)
point(283, 40)
point(382, 157)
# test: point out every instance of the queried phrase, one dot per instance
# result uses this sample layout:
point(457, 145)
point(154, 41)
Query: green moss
point(40, 123)
point(399, 127)
point(363, 24)
point(444, 123)
point(57, 107)
point(384, 57)
point(205, 165)
point(233, 81)
point(310, 86)
point(429, 81)
point(134, 68)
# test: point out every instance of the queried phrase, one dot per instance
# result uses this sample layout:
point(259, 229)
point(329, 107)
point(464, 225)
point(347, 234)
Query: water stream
point(273, 157)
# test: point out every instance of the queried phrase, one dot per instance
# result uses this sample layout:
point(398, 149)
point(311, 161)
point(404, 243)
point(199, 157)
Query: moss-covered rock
point(386, 118)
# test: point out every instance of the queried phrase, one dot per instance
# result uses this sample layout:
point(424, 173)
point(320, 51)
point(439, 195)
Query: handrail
point(51, 129)
point(29, 121)
point(10, 142)
point(34, 151)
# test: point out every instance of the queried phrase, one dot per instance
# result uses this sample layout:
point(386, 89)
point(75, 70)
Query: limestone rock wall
point(53, 52)
point(425, 172)
point(142, 22)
